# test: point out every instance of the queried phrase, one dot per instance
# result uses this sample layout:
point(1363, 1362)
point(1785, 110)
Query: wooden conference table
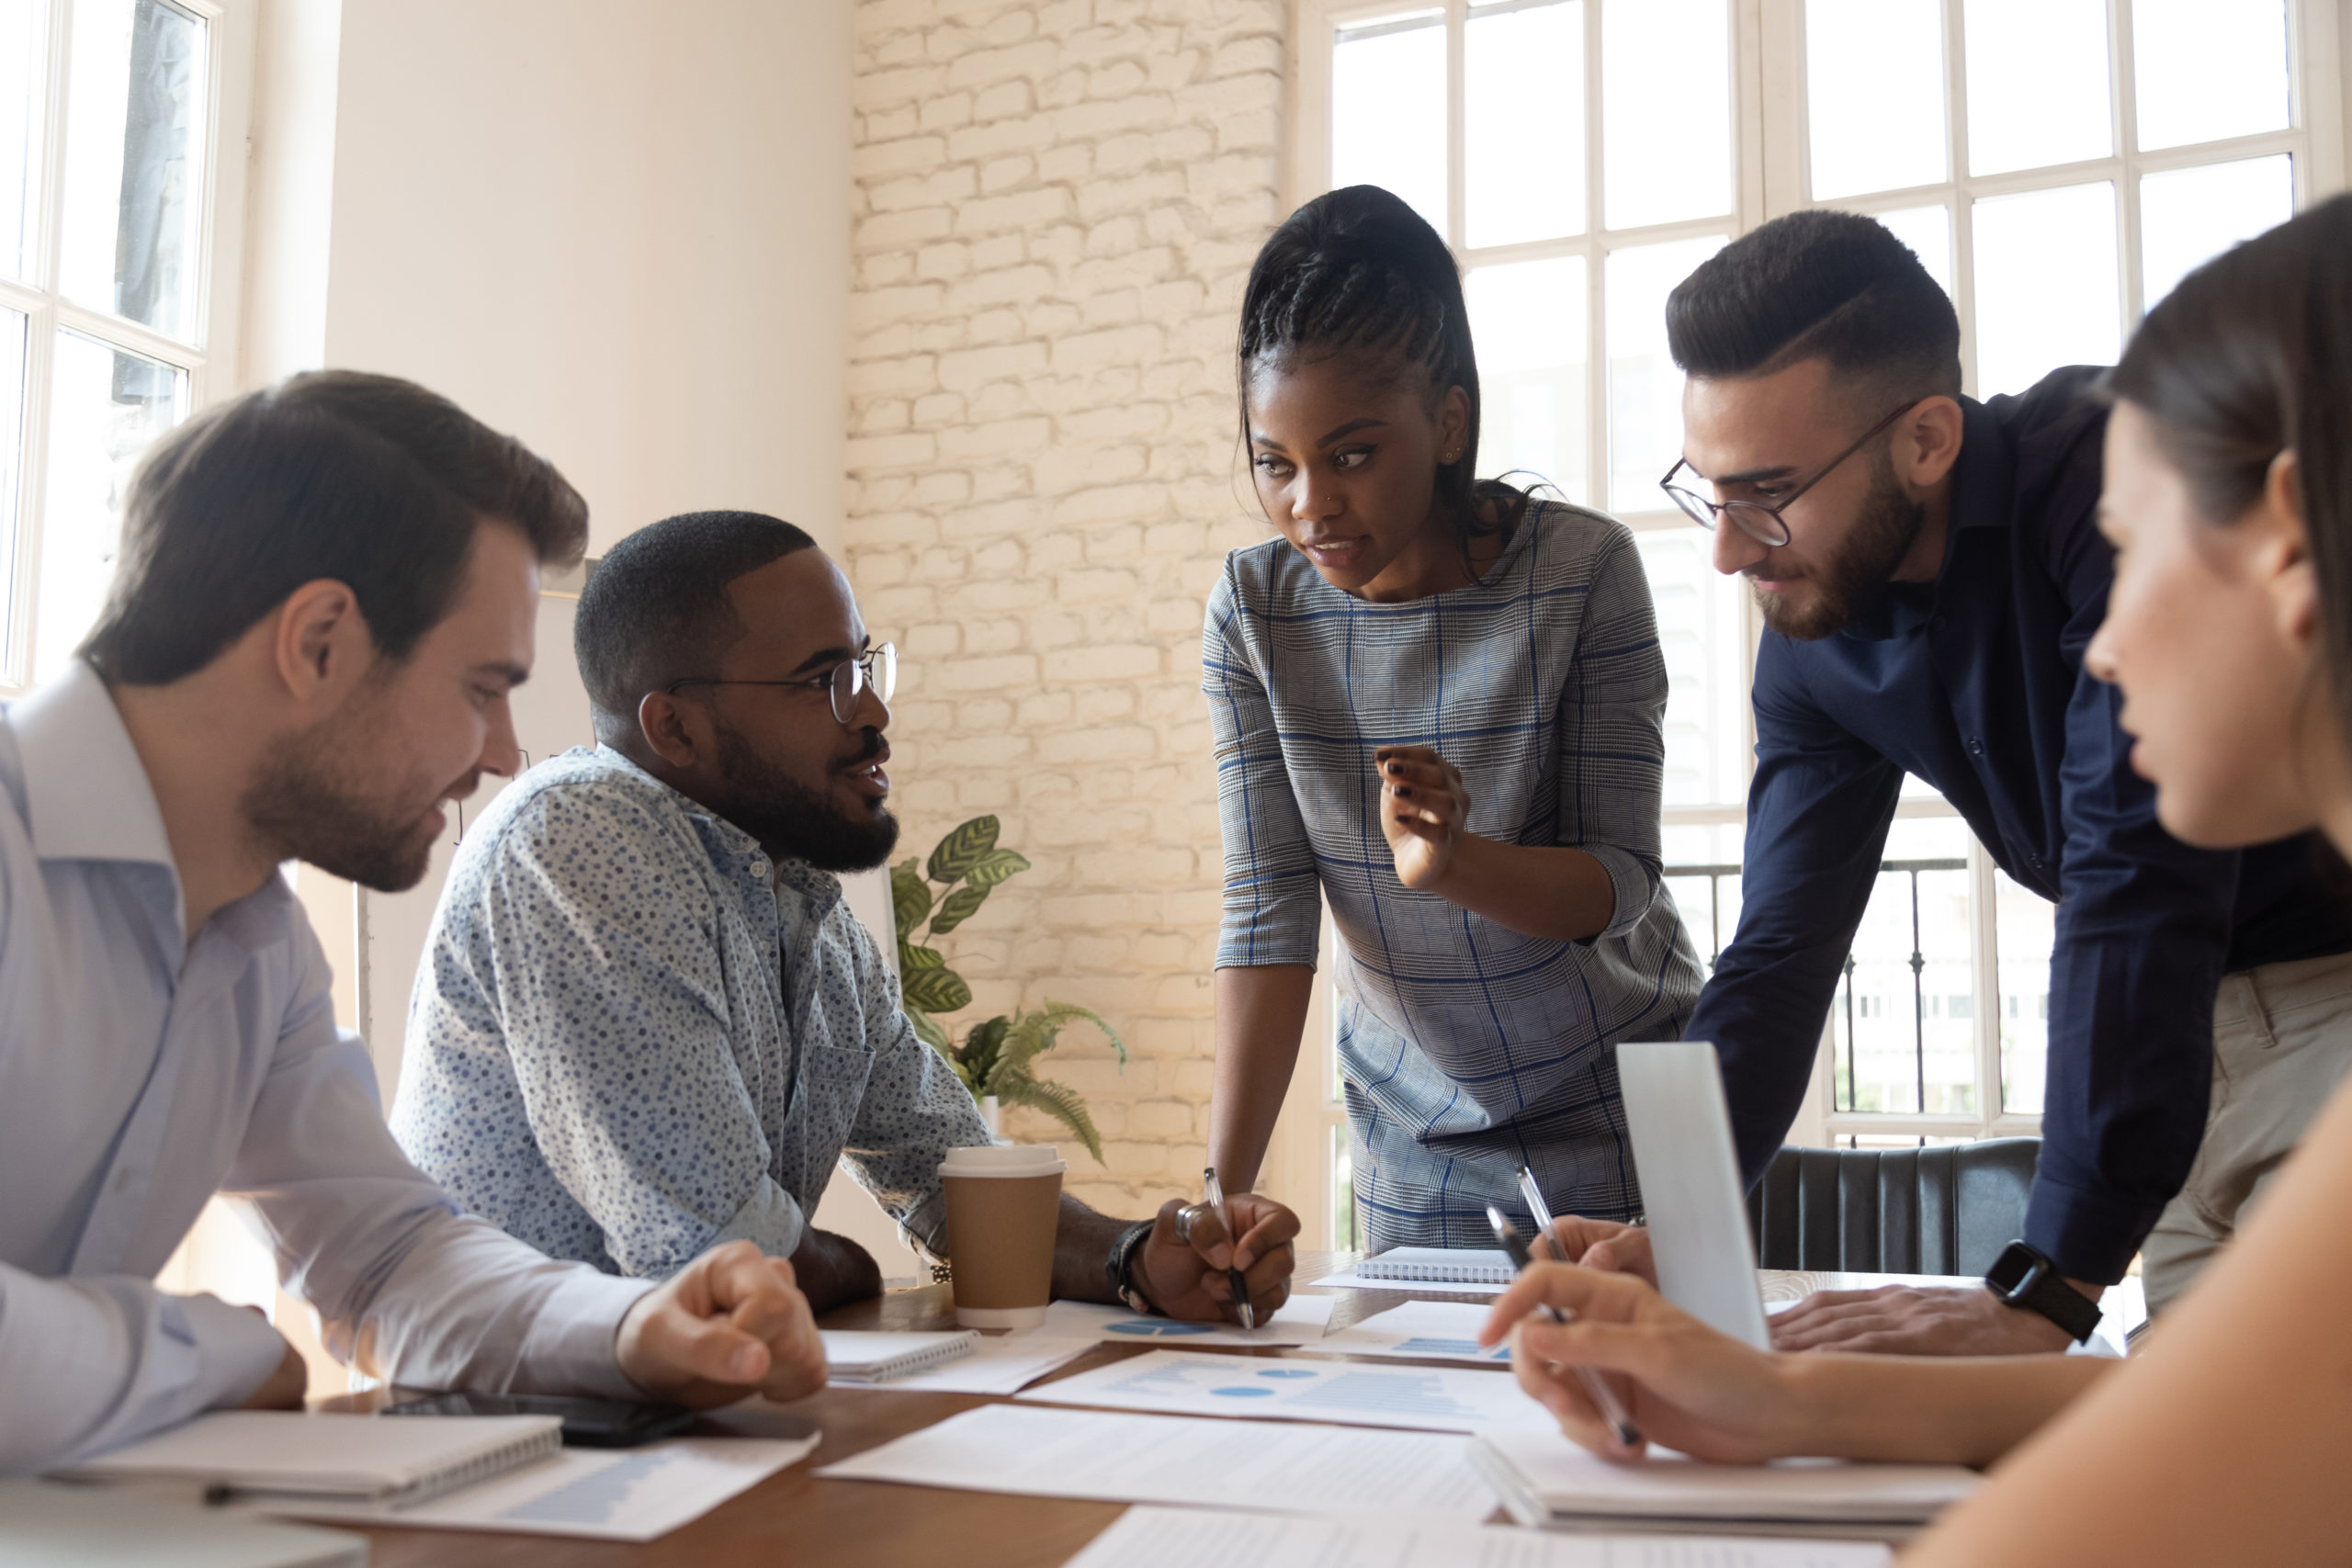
point(793, 1518)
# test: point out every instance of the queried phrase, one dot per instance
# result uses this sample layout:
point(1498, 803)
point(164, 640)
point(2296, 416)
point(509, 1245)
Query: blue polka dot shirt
point(633, 1037)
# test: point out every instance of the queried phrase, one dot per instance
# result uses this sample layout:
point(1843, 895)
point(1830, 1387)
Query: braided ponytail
point(1356, 271)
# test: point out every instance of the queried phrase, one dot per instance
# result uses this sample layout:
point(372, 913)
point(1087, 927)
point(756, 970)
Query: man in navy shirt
point(1929, 572)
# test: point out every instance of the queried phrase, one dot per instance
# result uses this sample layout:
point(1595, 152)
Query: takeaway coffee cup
point(1003, 1205)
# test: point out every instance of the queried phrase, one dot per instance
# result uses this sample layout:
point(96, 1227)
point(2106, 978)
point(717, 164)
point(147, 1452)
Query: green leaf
point(957, 907)
point(962, 849)
point(994, 867)
point(933, 987)
point(910, 899)
point(1058, 1100)
point(978, 1056)
point(912, 958)
point(1033, 1032)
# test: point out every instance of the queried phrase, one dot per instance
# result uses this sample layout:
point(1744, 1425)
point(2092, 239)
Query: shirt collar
point(1984, 477)
point(735, 850)
point(86, 793)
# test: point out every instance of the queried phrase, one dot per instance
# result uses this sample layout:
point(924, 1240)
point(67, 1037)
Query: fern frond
point(1035, 1032)
point(1059, 1102)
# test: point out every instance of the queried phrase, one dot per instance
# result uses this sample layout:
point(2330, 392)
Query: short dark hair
point(1819, 285)
point(370, 481)
point(1358, 270)
point(655, 609)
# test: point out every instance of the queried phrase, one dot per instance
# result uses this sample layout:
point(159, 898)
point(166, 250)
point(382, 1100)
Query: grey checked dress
point(1466, 1048)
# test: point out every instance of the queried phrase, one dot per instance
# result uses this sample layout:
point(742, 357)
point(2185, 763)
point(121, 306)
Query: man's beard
point(303, 804)
point(793, 821)
point(1853, 584)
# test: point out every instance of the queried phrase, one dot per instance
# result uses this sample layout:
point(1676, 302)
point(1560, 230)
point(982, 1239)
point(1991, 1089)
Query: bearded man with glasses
point(647, 1021)
point(1931, 570)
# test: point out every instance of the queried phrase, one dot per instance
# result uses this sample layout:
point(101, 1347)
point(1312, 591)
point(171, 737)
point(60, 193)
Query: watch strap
point(1119, 1267)
point(2042, 1290)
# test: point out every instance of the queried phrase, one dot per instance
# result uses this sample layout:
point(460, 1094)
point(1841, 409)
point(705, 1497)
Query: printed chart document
point(1441, 1399)
point(1161, 1458)
point(999, 1363)
point(1549, 1480)
point(1186, 1538)
point(1298, 1321)
point(50, 1524)
point(609, 1494)
point(1422, 1331)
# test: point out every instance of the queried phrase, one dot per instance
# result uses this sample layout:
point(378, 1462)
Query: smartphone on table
point(587, 1423)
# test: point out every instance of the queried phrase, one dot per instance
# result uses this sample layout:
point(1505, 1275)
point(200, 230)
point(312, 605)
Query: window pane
point(23, 69)
point(1709, 904)
point(2046, 285)
point(105, 407)
point(1928, 231)
point(2025, 923)
point(12, 465)
point(2190, 215)
point(1874, 92)
point(1388, 110)
point(1702, 634)
point(1644, 388)
point(134, 153)
point(1528, 322)
point(1666, 111)
point(2208, 69)
point(1904, 1021)
point(1523, 124)
point(2037, 84)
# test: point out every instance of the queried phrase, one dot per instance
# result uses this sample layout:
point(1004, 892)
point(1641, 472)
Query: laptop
point(1690, 1187)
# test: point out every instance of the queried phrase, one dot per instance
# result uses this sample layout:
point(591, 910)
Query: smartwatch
point(2023, 1277)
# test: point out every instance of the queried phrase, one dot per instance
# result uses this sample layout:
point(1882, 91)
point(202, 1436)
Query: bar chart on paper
point(1426, 1331)
point(1439, 1399)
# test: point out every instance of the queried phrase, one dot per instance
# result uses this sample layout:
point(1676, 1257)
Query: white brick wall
point(1058, 201)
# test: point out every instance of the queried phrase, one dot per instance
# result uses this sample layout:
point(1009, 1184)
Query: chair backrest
point(1940, 1210)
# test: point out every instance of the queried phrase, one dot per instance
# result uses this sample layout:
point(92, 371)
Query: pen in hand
point(1604, 1398)
point(1213, 1194)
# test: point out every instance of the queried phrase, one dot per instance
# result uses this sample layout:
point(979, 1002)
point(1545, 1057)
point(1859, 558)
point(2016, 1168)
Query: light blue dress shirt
point(140, 1072)
point(633, 1036)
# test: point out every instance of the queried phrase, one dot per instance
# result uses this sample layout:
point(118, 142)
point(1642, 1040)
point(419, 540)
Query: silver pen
point(1213, 1195)
point(1542, 1211)
point(1596, 1387)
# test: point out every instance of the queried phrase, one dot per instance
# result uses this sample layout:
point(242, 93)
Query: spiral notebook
point(864, 1356)
point(1475, 1268)
point(367, 1459)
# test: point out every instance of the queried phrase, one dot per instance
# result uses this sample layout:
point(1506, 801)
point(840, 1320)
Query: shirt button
point(759, 868)
point(1976, 747)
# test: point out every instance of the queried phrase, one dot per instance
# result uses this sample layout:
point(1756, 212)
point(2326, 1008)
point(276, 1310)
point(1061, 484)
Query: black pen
point(1613, 1409)
point(1213, 1196)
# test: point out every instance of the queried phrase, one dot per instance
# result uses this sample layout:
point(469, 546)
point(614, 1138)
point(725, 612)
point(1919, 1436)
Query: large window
point(110, 127)
point(2058, 164)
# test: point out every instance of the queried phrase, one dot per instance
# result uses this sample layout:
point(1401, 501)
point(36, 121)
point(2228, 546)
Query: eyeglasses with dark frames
point(878, 667)
point(1760, 519)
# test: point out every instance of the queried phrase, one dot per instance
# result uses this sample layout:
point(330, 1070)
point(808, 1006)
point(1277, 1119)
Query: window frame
point(1771, 177)
point(210, 358)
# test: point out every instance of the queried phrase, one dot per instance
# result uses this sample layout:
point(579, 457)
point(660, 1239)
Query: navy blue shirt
point(1975, 683)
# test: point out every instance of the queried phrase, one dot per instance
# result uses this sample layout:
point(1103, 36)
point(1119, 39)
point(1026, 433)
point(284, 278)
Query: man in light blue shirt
point(326, 594)
point(647, 1023)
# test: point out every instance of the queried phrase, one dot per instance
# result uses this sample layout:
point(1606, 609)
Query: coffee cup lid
point(1003, 1159)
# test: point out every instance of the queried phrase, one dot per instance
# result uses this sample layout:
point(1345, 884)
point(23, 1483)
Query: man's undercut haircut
point(656, 610)
point(1830, 286)
point(369, 480)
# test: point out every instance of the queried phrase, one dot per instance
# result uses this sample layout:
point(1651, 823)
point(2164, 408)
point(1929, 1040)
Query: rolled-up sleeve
point(1273, 903)
point(1612, 733)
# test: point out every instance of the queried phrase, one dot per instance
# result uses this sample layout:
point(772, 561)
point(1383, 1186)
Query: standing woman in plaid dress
point(1437, 704)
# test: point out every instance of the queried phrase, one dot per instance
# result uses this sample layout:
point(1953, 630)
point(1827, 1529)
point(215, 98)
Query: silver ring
point(1184, 1223)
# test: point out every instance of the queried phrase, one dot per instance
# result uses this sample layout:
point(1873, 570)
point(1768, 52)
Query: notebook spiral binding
point(506, 1456)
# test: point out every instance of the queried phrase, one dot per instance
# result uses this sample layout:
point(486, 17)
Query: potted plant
point(997, 1059)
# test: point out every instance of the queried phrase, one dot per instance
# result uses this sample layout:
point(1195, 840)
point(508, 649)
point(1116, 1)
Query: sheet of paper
point(1541, 1477)
point(1422, 1331)
point(1215, 1538)
point(1004, 1363)
point(1298, 1321)
point(1443, 1399)
point(1159, 1459)
point(609, 1494)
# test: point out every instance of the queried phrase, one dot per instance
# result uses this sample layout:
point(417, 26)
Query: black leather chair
point(1940, 1210)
